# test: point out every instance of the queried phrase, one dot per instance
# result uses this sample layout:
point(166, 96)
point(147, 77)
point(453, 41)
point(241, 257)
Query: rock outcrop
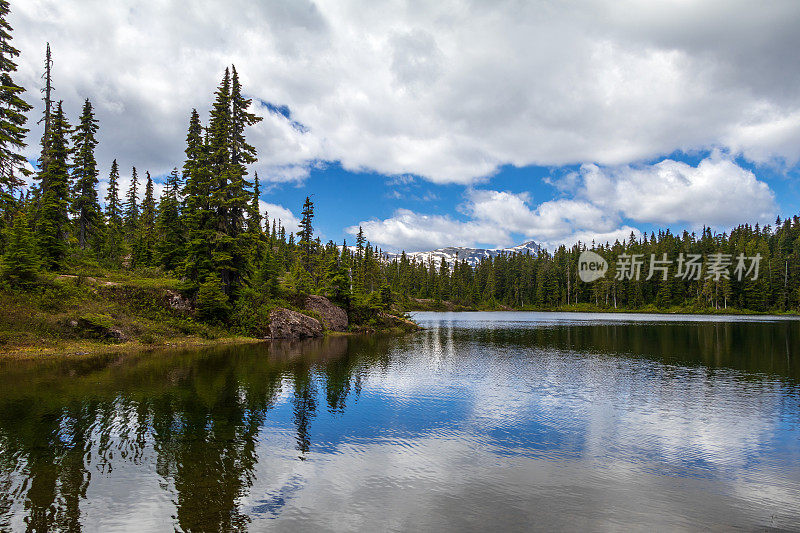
point(287, 324)
point(333, 317)
point(176, 302)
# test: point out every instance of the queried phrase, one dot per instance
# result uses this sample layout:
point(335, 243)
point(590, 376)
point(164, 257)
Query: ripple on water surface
point(508, 421)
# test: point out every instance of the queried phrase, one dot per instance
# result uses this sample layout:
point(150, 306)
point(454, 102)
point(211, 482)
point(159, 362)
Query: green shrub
point(149, 338)
point(251, 313)
point(212, 302)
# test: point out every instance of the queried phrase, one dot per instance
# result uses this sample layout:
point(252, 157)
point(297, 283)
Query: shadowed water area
point(501, 421)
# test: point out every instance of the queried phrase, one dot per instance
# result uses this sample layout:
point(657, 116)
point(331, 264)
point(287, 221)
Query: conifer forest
point(206, 234)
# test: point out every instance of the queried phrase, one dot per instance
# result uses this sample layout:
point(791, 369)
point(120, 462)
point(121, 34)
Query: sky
point(455, 122)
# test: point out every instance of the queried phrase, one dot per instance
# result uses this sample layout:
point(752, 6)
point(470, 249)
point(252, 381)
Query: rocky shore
point(324, 316)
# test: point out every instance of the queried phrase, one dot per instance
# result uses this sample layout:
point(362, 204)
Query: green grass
point(63, 312)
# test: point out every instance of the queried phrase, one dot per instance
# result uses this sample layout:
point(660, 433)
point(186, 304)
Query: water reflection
point(565, 424)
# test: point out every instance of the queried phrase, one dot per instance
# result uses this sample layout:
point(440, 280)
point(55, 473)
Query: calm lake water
point(500, 421)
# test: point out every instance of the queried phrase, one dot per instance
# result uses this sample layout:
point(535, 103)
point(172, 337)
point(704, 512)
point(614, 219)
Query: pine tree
point(197, 216)
point(212, 303)
point(306, 234)
point(219, 165)
point(228, 155)
point(47, 118)
point(114, 247)
point(113, 205)
point(144, 248)
point(169, 247)
point(241, 201)
point(12, 110)
point(131, 217)
point(254, 214)
point(20, 262)
point(54, 219)
point(85, 206)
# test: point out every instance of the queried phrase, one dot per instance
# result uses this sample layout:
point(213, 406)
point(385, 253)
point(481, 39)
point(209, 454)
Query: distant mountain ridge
point(470, 255)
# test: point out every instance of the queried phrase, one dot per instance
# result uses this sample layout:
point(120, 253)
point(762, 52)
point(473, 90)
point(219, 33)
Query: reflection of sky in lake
point(453, 428)
point(611, 418)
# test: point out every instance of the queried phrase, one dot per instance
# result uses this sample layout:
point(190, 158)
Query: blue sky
point(345, 199)
point(458, 122)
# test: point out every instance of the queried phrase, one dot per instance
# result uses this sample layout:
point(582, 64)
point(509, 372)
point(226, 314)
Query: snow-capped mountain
point(471, 255)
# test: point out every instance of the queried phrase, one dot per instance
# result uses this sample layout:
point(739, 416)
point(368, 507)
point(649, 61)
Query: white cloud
point(494, 216)
point(717, 192)
point(414, 231)
point(278, 212)
point(447, 90)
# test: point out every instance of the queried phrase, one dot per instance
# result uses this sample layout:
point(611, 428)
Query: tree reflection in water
point(194, 421)
point(196, 414)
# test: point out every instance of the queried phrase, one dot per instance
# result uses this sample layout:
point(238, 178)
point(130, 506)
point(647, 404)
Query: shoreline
point(84, 347)
point(87, 347)
point(591, 309)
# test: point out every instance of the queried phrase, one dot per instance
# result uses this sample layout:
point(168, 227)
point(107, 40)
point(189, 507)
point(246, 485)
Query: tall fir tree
point(219, 165)
point(306, 234)
point(54, 219)
point(254, 218)
point(85, 207)
point(113, 204)
point(114, 243)
point(229, 154)
point(245, 250)
point(169, 244)
point(131, 217)
point(47, 117)
point(197, 216)
point(13, 107)
point(144, 251)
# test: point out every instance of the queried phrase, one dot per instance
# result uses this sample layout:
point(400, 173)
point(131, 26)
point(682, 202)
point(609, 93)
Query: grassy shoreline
point(120, 312)
point(87, 347)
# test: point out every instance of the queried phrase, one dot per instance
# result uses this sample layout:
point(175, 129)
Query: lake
point(501, 421)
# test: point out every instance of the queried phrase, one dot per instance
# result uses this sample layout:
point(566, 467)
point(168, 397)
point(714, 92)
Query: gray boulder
point(334, 317)
point(287, 324)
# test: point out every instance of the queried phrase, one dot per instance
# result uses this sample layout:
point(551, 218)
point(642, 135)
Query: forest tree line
point(234, 263)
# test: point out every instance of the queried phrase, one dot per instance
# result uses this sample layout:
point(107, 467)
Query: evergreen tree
point(131, 217)
point(198, 218)
point(85, 206)
point(54, 220)
point(306, 234)
point(113, 205)
point(169, 247)
point(114, 247)
point(12, 111)
point(219, 165)
point(20, 262)
point(228, 155)
point(254, 214)
point(213, 305)
point(47, 118)
point(145, 241)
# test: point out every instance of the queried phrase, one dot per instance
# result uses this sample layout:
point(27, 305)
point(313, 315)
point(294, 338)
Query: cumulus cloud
point(445, 90)
point(413, 231)
point(717, 192)
point(494, 217)
point(277, 212)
